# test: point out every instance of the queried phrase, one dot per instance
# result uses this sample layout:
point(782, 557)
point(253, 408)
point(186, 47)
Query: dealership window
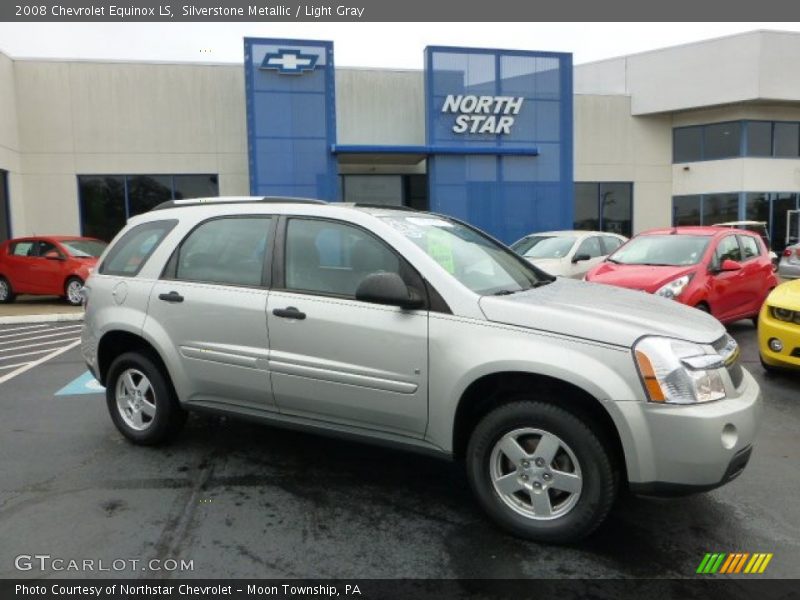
point(759, 138)
point(604, 206)
point(708, 209)
point(5, 213)
point(722, 140)
point(389, 190)
point(108, 201)
point(786, 141)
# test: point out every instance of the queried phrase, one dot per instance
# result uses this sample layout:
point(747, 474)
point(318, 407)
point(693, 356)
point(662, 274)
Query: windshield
point(478, 262)
point(544, 246)
point(662, 250)
point(84, 248)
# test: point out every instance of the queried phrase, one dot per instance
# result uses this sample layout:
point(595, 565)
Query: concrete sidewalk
point(36, 309)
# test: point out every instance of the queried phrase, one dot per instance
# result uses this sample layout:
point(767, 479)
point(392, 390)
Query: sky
point(385, 45)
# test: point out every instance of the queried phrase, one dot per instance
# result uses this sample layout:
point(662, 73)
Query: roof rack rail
point(235, 200)
point(386, 206)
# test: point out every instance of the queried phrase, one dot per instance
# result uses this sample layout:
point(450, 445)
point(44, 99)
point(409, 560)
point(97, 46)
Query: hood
point(637, 277)
point(553, 266)
point(601, 312)
point(786, 295)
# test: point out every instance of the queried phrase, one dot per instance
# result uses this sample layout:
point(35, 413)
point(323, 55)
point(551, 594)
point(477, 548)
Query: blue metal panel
point(510, 182)
point(291, 117)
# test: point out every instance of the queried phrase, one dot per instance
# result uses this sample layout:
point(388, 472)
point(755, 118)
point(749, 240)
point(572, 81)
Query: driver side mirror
point(730, 265)
point(580, 257)
point(388, 288)
point(53, 255)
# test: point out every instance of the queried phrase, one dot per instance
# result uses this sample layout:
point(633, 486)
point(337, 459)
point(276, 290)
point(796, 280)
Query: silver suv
point(417, 330)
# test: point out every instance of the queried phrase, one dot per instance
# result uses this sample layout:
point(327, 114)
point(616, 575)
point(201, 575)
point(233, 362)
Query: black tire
point(7, 296)
point(599, 477)
point(68, 296)
point(768, 368)
point(169, 417)
point(704, 307)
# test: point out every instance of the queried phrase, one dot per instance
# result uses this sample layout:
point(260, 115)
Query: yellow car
point(779, 328)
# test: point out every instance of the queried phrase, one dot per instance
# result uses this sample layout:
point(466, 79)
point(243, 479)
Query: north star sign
point(483, 114)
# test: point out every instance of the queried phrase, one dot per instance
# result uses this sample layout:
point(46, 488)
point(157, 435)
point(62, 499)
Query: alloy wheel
point(136, 400)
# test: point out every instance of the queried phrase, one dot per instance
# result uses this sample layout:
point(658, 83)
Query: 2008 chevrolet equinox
point(417, 330)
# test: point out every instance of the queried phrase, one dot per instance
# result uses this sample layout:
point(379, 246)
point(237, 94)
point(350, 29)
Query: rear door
point(211, 304)
point(757, 269)
point(332, 357)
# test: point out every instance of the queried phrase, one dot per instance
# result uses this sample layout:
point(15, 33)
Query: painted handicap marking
point(85, 384)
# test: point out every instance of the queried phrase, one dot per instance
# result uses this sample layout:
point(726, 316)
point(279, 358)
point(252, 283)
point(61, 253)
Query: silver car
point(789, 266)
point(568, 253)
point(418, 331)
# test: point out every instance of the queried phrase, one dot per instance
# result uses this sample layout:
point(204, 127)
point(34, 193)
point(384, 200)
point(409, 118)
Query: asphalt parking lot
point(241, 500)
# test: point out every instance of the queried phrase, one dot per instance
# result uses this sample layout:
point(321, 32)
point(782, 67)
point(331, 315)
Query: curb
point(51, 318)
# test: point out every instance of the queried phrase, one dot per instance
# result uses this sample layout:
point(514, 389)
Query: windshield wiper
point(611, 260)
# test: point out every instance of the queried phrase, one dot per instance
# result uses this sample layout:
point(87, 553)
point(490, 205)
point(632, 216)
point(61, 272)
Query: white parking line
point(38, 337)
point(41, 325)
point(12, 366)
point(3, 335)
point(26, 353)
point(36, 363)
point(50, 343)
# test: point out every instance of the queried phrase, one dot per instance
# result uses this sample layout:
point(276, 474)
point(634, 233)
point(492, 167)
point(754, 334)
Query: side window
point(727, 249)
point(23, 249)
point(590, 246)
point(228, 251)
point(611, 243)
point(45, 247)
point(128, 255)
point(333, 258)
point(750, 247)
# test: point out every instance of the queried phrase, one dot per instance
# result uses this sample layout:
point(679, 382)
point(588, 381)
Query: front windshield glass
point(662, 250)
point(544, 246)
point(84, 248)
point(476, 261)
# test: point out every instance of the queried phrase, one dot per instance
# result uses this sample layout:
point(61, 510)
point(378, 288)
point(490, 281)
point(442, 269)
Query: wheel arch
point(117, 342)
point(499, 388)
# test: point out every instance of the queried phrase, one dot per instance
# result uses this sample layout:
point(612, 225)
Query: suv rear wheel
point(541, 472)
point(141, 401)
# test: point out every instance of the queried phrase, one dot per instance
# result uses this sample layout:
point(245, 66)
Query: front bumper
point(789, 335)
point(679, 449)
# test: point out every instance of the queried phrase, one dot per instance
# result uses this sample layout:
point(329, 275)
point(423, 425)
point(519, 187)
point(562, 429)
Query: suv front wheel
point(141, 401)
point(541, 472)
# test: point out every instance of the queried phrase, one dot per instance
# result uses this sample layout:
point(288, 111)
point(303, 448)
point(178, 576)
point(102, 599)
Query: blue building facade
point(498, 140)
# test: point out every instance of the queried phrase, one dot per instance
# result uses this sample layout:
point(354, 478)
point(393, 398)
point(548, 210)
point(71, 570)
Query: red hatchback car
point(722, 271)
point(50, 265)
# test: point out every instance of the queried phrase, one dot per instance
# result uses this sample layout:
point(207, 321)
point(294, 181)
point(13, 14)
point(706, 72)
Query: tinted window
point(750, 247)
point(759, 138)
point(686, 210)
point(147, 191)
point(227, 251)
point(687, 144)
point(132, 250)
point(102, 204)
point(45, 247)
point(721, 140)
point(333, 258)
point(611, 243)
point(587, 215)
point(5, 217)
point(23, 249)
point(590, 246)
point(195, 186)
point(720, 208)
point(616, 208)
point(787, 139)
point(728, 249)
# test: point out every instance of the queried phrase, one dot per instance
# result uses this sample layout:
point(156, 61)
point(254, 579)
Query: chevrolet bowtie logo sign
point(291, 62)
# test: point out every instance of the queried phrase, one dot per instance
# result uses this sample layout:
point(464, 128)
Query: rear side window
point(750, 247)
point(591, 247)
point(228, 251)
point(127, 257)
point(22, 249)
point(611, 243)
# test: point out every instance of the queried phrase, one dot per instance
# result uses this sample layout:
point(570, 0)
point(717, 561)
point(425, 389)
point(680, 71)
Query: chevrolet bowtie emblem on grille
point(292, 62)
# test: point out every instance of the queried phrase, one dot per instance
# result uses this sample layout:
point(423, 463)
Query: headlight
point(784, 314)
point(674, 288)
point(678, 372)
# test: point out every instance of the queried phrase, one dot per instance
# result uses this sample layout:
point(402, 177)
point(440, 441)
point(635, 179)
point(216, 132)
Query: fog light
point(775, 345)
point(729, 436)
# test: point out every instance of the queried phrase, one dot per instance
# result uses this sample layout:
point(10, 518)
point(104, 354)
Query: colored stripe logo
point(734, 563)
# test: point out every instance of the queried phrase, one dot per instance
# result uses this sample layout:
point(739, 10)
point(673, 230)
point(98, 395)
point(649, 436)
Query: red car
point(50, 265)
point(726, 272)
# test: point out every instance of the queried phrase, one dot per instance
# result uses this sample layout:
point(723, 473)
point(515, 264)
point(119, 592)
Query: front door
point(729, 288)
point(211, 304)
point(333, 357)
